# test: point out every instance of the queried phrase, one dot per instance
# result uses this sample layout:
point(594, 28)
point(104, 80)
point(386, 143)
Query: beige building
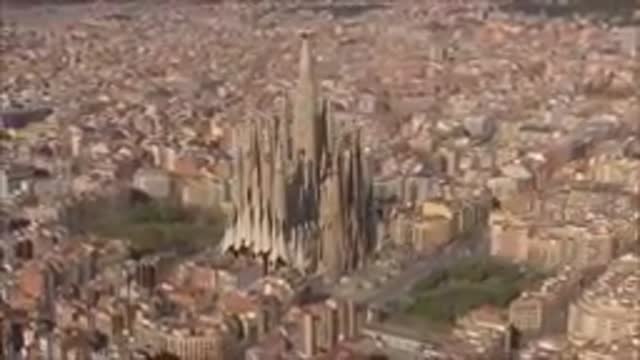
point(196, 345)
point(429, 227)
point(627, 349)
point(547, 348)
point(552, 245)
point(481, 335)
point(609, 310)
point(325, 324)
point(510, 236)
point(485, 330)
point(514, 190)
point(543, 311)
point(194, 339)
point(409, 189)
point(435, 223)
point(610, 164)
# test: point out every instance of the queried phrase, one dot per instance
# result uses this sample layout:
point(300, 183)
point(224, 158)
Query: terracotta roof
point(236, 303)
point(182, 298)
point(488, 314)
point(201, 277)
point(21, 301)
point(186, 167)
point(30, 280)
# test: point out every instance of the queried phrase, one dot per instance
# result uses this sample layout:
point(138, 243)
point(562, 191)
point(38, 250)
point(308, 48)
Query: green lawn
point(452, 292)
point(149, 226)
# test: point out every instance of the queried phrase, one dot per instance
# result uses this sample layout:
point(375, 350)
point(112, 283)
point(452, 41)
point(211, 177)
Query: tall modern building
point(301, 194)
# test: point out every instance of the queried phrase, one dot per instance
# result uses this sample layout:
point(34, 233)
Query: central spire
point(305, 103)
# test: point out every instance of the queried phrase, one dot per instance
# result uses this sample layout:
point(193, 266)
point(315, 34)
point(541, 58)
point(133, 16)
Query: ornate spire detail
point(300, 197)
point(305, 106)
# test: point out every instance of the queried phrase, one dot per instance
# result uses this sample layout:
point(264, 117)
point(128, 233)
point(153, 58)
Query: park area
point(148, 225)
point(452, 292)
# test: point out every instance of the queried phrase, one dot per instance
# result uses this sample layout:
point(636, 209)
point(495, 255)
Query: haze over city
point(320, 179)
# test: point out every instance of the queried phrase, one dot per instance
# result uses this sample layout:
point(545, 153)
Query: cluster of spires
point(301, 194)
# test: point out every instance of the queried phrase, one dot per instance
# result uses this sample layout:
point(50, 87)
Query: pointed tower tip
point(305, 34)
point(306, 58)
point(306, 89)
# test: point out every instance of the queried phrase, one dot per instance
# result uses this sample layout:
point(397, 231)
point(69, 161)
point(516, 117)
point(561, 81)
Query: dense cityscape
point(326, 180)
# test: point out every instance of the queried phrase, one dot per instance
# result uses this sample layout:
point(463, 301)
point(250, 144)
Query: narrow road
point(405, 281)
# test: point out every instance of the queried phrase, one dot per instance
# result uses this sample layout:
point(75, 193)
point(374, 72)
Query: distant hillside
point(609, 10)
point(30, 3)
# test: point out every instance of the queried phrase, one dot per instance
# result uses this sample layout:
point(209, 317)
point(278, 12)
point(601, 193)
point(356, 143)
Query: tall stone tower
point(306, 117)
point(301, 195)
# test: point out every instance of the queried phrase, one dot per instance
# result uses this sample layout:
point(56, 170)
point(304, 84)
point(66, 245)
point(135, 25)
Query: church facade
point(301, 192)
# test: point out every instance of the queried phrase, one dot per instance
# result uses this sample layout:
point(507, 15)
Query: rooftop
point(618, 287)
